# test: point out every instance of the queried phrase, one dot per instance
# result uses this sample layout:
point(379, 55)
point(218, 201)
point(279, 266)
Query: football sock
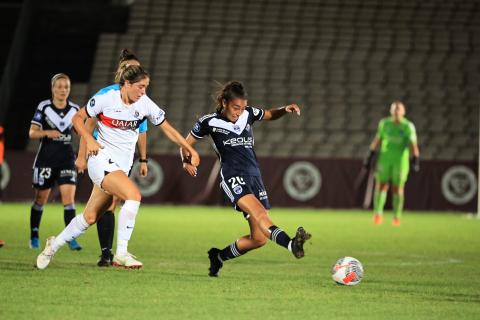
point(230, 252)
point(35, 217)
point(75, 228)
point(105, 229)
point(280, 237)
point(68, 213)
point(126, 223)
point(380, 197)
point(398, 201)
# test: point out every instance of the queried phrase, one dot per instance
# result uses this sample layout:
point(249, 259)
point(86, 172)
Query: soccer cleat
point(377, 218)
point(396, 222)
point(127, 261)
point(2, 243)
point(106, 259)
point(73, 245)
point(297, 242)
point(34, 243)
point(215, 262)
point(46, 256)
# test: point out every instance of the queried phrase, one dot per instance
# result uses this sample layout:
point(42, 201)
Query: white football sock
point(75, 228)
point(126, 222)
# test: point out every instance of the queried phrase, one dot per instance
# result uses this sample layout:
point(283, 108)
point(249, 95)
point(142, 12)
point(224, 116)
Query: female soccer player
point(106, 222)
point(230, 128)
point(395, 136)
point(120, 112)
point(54, 163)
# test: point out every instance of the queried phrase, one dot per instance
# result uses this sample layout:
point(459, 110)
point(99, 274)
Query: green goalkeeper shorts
point(394, 172)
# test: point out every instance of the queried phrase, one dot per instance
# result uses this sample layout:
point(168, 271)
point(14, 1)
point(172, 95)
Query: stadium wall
point(301, 182)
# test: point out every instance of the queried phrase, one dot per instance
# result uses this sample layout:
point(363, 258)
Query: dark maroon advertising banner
point(318, 183)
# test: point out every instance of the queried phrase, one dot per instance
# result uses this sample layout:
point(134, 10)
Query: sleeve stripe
point(263, 113)
point(36, 122)
point(195, 136)
point(88, 114)
point(161, 122)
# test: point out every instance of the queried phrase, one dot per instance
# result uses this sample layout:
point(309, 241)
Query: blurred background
point(342, 61)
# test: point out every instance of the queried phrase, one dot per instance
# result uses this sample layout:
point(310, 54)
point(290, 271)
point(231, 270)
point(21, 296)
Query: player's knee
point(134, 195)
point(41, 199)
point(259, 241)
point(90, 217)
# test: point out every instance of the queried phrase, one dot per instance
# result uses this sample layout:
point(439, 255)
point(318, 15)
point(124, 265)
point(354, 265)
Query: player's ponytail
point(231, 90)
point(126, 55)
point(130, 73)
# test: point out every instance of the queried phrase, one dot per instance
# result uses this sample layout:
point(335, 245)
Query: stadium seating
point(343, 62)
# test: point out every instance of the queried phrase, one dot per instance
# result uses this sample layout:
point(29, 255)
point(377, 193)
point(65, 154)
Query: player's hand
point(293, 108)
point(194, 158)
point(190, 169)
point(53, 134)
point(143, 169)
point(416, 164)
point(367, 162)
point(92, 147)
point(81, 165)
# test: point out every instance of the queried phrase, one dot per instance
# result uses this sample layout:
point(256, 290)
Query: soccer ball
point(347, 271)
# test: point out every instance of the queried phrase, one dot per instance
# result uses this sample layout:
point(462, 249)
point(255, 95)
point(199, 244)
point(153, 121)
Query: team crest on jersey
point(196, 127)
point(136, 114)
point(37, 116)
point(237, 189)
point(256, 111)
point(247, 127)
point(236, 128)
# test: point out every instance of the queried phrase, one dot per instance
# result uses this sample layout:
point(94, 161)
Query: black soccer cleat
point(106, 259)
point(215, 262)
point(297, 243)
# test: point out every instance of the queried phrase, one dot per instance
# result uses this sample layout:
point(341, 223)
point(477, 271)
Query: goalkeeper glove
point(368, 161)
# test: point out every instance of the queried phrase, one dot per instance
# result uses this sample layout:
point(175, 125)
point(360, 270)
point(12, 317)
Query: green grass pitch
point(426, 269)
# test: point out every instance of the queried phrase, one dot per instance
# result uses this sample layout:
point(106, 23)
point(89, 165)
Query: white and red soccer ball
point(347, 271)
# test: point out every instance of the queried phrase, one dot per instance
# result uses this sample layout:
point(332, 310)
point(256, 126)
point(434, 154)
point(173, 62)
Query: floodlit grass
point(426, 269)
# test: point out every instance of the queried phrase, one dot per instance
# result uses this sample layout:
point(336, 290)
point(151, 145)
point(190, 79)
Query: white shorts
point(100, 165)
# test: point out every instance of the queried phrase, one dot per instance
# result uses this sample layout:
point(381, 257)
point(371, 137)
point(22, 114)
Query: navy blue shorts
point(46, 177)
point(238, 186)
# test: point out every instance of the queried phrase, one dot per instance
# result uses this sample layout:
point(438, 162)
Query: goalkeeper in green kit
point(394, 140)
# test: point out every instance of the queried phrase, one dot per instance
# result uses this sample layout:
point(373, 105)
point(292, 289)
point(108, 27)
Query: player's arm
point(176, 138)
point(36, 132)
point(277, 113)
point(186, 158)
point(142, 150)
point(91, 145)
point(81, 161)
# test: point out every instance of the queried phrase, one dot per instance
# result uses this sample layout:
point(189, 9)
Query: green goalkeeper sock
point(380, 197)
point(398, 201)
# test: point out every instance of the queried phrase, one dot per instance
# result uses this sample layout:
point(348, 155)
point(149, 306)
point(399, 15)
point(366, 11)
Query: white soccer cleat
point(46, 256)
point(127, 261)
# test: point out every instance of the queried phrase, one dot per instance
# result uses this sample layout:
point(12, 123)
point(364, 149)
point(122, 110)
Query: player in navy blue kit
point(230, 128)
point(54, 163)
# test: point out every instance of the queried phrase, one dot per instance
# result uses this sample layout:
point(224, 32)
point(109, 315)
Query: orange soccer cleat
point(396, 222)
point(377, 218)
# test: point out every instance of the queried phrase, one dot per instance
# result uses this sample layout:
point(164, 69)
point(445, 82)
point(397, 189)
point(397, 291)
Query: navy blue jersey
point(233, 141)
point(58, 151)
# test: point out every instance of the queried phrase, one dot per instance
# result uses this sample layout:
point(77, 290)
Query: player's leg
point(382, 178)
point(254, 240)
point(67, 192)
point(259, 216)
point(118, 184)
point(400, 174)
point(379, 200)
point(36, 211)
point(105, 229)
point(98, 202)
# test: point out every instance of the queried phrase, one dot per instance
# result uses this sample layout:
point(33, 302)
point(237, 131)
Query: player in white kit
point(119, 114)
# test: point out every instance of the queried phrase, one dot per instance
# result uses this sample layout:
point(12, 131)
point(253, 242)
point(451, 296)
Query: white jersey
point(118, 124)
